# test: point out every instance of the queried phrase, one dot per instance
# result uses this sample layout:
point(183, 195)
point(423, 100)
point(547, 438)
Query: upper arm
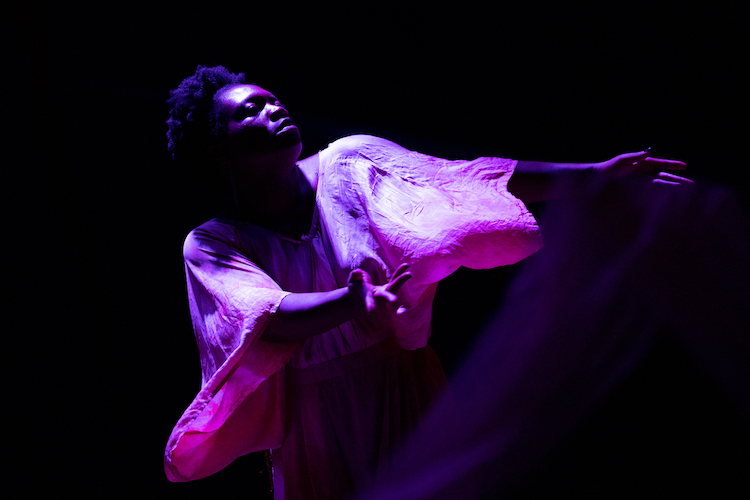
point(213, 256)
point(230, 297)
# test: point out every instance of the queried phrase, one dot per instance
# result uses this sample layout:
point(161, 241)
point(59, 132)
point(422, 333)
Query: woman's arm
point(303, 315)
point(534, 181)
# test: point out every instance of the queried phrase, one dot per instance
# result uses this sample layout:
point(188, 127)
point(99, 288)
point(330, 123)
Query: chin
point(292, 142)
point(290, 136)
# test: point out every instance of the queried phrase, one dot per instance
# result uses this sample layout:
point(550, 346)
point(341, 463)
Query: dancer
point(311, 294)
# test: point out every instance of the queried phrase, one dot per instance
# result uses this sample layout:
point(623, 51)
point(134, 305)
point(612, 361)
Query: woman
point(311, 296)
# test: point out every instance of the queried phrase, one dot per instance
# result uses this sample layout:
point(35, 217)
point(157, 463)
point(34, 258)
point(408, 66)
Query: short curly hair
point(193, 124)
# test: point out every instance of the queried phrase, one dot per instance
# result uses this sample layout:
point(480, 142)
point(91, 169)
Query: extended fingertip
point(401, 269)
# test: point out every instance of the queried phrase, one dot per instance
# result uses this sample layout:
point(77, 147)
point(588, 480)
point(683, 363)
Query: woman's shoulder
point(361, 145)
point(357, 142)
point(348, 146)
point(310, 168)
point(216, 230)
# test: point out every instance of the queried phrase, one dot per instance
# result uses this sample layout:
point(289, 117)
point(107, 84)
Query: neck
point(282, 201)
point(267, 197)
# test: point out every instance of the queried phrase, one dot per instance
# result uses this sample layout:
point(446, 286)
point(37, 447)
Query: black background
point(100, 355)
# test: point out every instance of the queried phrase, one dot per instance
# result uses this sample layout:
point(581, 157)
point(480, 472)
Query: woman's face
point(258, 124)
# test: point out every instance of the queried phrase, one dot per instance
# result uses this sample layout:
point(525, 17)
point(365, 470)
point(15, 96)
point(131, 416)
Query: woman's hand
point(372, 296)
point(303, 315)
point(631, 164)
point(534, 181)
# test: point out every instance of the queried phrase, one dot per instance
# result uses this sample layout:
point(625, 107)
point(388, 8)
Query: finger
point(665, 182)
point(383, 293)
point(360, 276)
point(634, 157)
point(401, 310)
point(652, 164)
point(399, 282)
point(665, 178)
point(399, 271)
point(675, 178)
point(662, 164)
point(370, 303)
point(396, 279)
point(356, 275)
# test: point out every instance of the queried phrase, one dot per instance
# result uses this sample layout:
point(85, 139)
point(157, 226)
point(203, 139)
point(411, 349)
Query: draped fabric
point(378, 205)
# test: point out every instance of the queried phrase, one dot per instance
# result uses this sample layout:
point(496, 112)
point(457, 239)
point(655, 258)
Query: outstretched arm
point(535, 181)
point(303, 315)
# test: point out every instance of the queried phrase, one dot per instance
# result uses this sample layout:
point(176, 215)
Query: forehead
point(238, 94)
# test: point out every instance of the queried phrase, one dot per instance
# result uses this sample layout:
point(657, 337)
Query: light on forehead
point(243, 92)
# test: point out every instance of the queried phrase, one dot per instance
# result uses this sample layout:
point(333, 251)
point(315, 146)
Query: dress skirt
point(344, 418)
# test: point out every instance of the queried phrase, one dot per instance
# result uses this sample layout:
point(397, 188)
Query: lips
point(284, 124)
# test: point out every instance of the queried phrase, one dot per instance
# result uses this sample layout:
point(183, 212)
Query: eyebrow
point(269, 97)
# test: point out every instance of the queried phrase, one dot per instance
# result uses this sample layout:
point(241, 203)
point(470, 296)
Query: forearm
point(534, 181)
point(303, 315)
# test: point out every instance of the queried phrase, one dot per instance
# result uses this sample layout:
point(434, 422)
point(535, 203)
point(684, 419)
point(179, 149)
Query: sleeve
point(433, 213)
point(239, 408)
point(395, 206)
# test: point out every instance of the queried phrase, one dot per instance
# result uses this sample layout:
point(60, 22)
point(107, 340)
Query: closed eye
point(254, 105)
point(247, 109)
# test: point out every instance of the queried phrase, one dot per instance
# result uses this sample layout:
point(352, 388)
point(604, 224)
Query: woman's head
point(194, 126)
point(215, 118)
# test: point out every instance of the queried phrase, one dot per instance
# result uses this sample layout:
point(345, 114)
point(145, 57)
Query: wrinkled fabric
point(378, 205)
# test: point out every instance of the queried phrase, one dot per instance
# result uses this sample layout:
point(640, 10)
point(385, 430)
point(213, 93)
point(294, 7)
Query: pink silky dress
point(332, 408)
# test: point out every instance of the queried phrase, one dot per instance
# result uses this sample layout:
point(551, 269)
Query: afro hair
point(193, 124)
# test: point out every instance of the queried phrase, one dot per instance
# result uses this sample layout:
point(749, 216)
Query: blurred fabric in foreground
point(627, 269)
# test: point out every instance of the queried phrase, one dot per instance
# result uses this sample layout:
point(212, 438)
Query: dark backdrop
point(101, 359)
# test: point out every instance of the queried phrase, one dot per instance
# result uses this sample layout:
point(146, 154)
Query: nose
point(276, 112)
